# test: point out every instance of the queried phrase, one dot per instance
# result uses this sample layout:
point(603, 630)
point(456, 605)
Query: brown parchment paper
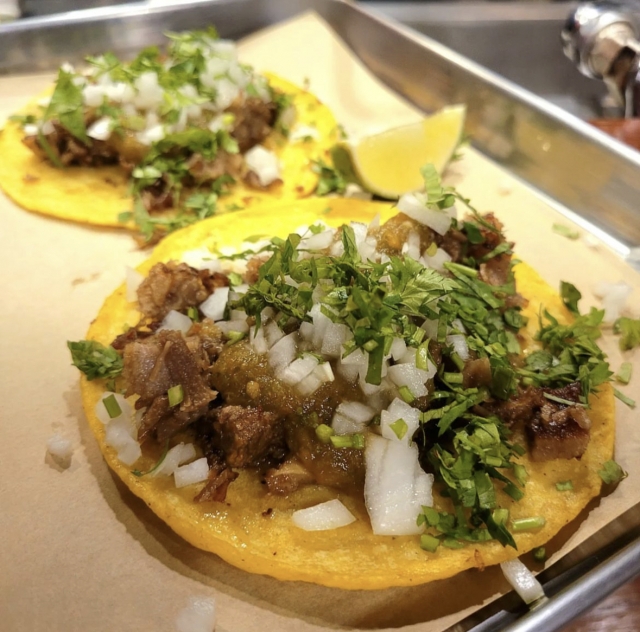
point(77, 551)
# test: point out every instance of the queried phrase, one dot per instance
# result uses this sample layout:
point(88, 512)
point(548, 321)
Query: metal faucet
point(602, 39)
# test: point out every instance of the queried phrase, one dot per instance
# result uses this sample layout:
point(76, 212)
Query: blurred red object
point(626, 130)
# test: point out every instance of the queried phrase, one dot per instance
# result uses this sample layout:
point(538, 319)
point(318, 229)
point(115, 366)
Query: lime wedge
point(388, 164)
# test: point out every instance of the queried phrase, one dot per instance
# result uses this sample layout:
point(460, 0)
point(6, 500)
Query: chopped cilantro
point(611, 473)
point(565, 231)
point(629, 331)
point(570, 296)
point(564, 486)
point(624, 399)
point(66, 106)
point(624, 373)
point(95, 360)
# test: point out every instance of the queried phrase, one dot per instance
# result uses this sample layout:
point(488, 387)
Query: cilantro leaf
point(629, 331)
point(611, 473)
point(95, 360)
point(570, 296)
point(66, 106)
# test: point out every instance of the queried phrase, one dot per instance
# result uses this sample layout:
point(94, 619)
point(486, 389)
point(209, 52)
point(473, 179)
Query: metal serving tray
point(553, 152)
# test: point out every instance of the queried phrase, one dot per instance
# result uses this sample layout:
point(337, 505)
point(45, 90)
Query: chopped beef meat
point(253, 268)
point(287, 477)
point(554, 430)
point(207, 335)
point(476, 373)
point(170, 286)
point(217, 484)
point(496, 270)
point(71, 151)
point(213, 280)
point(155, 364)
point(132, 334)
point(224, 163)
point(253, 120)
point(248, 436)
point(158, 196)
point(453, 243)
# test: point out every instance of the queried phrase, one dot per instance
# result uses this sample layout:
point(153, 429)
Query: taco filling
point(186, 125)
point(390, 363)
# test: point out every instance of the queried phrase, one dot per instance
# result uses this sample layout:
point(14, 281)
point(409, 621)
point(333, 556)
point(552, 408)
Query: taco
point(392, 367)
point(155, 142)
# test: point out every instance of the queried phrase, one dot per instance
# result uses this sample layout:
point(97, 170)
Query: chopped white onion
point(283, 353)
point(310, 384)
point(239, 325)
point(412, 377)
point(258, 341)
point(126, 410)
point(263, 163)
point(100, 129)
point(149, 93)
point(413, 205)
point(198, 616)
point(214, 306)
point(178, 455)
point(195, 472)
point(335, 335)
point(272, 333)
point(299, 369)
point(438, 260)
point(176, 321)
point(59, 447)
point(399, 410)
point(351, 417)
point(328, 515)
point(614, 297)
point(522, 580)
point(317, 242)
point(118, 435)
point(459, 344)
point(395, 487)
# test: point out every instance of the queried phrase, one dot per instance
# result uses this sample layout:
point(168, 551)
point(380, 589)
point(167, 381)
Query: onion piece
point(195, 472)
point(328, 515)
point(59, 447)
point(413, 205)
point(299, 369)
point(202, 259)
point(522, 580)
point(283, 353)
point(176, 321)
point(395, 487)
point(614, 297)
point(412, 377)
point(100, 129)
point(351, 417)
point(213, 307)
point(399, 410)
point(126, 410)
point(198, 616)
point(178, 455)
point(263, 163)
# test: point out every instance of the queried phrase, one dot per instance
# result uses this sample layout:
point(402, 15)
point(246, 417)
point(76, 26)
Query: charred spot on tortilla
point(349, 365)
point(163, 130)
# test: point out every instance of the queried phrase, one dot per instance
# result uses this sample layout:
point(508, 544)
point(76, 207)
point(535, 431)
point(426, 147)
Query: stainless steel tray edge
point(566, 159)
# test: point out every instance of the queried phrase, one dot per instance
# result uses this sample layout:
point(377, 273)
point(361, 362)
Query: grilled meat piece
point(216, 487)
point(476, 373)
point(155, 364)
point(71, 151)
point(248, 436)
point(287, 477)
point(223, 164)
point(554, 430)
point(170, 286)
point(253, 121)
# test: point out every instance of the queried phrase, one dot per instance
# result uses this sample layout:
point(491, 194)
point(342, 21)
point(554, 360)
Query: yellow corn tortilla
point(253, 530)
point(97, 195)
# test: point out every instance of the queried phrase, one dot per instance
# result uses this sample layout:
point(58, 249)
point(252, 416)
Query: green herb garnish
point(611, 473)
point(95, 360)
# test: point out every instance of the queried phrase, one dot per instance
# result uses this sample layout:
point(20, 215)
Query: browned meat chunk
point(555, 430)
point(170, 286)
point(208, 336)
point(253, 121)
point(288, 477)
point(496, 270)
point(223, 164)
point(561, 434)
point(453, 243)
point(476, 373)
point(70, 151)
point(216, 488)
point(155, 364)
point(248, 436)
